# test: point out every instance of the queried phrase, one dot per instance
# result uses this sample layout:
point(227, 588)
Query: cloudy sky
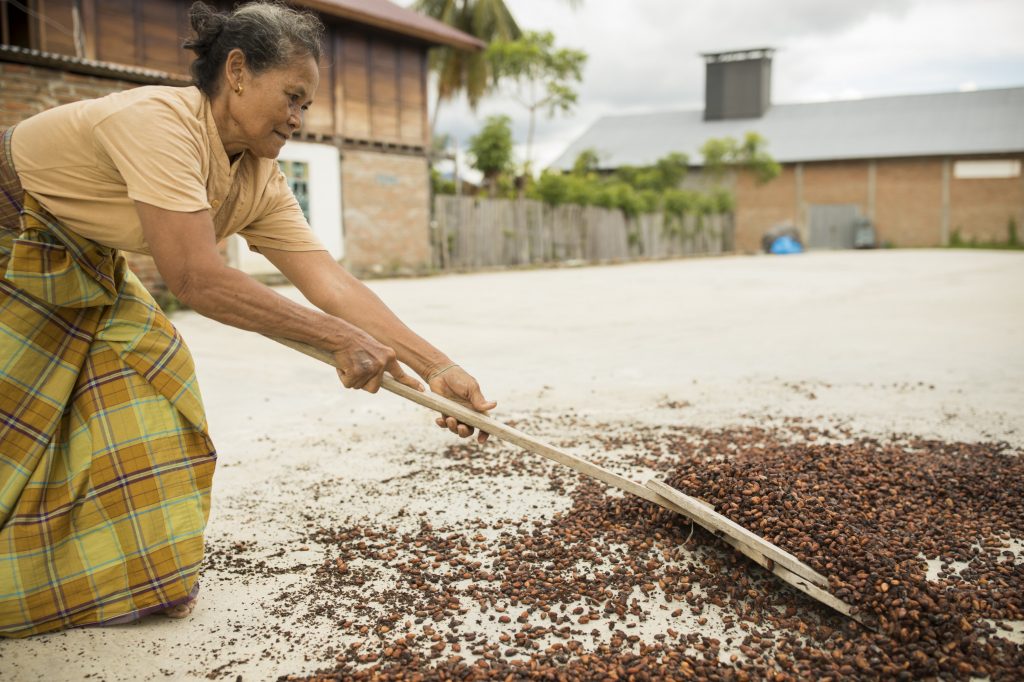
point(645, 54)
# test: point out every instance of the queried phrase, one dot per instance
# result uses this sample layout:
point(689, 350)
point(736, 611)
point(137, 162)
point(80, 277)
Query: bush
point(580, 191)
point(637, 190)
point(441, 185)
point(723, 201)
point(678, 202)
point(551, 188)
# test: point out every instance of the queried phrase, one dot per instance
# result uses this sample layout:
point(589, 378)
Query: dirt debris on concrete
point(614, 587)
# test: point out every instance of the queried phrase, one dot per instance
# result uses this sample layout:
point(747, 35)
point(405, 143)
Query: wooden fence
point(469, 233)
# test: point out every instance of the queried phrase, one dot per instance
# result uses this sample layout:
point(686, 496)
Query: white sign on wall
point(986, 168)
point(314, 171)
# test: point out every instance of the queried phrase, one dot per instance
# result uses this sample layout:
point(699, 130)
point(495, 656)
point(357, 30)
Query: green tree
point(666, 173)
point(671, 169)
point(543, 75)
point(719, 154)
point(440, 185)
point(752, 156)
point(463, 71)
point(587, 162)
point(552, 188)
point(491, 150)
point(725, 153)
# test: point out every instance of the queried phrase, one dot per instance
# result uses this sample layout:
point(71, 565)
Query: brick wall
point(28, 90)
point(908, 202)
point(386, 200)
point(786, 198)
point(981, 208)
point(836, 182)
point(763, 206)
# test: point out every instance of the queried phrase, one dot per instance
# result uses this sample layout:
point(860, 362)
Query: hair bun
point(268, 33)
point(206, 22)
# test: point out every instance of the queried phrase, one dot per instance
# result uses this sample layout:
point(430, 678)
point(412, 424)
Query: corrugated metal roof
point(980, 122)
point(387, 15)
point(133, 74)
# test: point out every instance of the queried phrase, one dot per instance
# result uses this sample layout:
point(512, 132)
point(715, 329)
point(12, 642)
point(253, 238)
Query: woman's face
point(270, 106)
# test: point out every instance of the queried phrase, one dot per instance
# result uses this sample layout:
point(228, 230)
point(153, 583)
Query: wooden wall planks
point(56, 34)
point(115, 32)
point(160, 37)
point(372, 83)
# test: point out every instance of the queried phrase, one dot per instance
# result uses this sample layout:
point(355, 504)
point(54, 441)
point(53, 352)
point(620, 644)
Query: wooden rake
point(775, 559)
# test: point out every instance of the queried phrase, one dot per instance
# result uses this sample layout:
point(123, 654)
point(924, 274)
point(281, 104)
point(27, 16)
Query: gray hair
point(269, 34)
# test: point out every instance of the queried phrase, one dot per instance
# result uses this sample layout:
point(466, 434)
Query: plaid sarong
point(105, 461)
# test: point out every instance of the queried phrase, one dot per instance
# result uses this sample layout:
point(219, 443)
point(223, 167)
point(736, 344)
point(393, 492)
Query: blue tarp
point(784, 245)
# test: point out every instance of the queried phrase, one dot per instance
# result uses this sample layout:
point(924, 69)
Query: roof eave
point(91, 67)
point(444, 36)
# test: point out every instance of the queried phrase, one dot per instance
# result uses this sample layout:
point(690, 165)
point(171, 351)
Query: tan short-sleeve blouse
point(88, 162)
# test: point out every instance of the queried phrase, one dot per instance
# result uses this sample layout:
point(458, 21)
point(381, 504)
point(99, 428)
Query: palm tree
point(460, 70)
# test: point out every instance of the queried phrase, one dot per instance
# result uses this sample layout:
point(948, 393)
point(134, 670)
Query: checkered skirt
point(105, 460)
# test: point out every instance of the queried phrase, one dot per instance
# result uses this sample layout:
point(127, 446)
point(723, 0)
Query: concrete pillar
point(872, 184)
point(800, 217)
point(947, 167)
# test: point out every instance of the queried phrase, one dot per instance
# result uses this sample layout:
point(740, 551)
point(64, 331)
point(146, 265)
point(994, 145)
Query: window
point(987, 168)
point(297, 173)
point(14, 25)
point(313, 172)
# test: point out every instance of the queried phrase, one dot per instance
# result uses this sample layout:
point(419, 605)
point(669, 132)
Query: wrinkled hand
point(362, 361)
point(456, 384)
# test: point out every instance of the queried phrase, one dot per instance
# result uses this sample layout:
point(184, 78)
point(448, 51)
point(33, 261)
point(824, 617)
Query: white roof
point(956, 123)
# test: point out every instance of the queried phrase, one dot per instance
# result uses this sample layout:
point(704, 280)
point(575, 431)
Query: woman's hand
point(362, 360)
point(455, 383)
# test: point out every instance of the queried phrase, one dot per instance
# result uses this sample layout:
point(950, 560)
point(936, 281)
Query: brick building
point(924, 169)
point(358, 166)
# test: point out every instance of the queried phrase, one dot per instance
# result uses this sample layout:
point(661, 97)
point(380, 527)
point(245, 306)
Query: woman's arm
point(184, 249)
point(330, 287)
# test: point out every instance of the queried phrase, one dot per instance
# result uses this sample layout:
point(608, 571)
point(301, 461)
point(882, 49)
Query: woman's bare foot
point(183, 610)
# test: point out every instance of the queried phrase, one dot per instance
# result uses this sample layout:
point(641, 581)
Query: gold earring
point(238, 88)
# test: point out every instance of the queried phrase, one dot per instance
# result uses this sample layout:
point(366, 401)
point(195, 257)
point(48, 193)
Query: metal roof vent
point(737, 84)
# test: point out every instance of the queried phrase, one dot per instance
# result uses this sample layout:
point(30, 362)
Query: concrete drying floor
point(925, 342)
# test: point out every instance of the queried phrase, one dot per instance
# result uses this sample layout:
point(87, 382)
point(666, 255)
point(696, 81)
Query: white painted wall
point(324, 205)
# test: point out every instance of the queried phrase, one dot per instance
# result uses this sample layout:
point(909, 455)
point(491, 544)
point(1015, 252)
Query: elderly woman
point(105, 460)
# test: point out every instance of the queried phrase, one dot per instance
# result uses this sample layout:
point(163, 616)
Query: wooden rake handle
point(495, 428)
point(773, 558)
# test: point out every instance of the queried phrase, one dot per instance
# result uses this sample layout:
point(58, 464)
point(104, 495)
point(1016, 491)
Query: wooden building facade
point(371, 107)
